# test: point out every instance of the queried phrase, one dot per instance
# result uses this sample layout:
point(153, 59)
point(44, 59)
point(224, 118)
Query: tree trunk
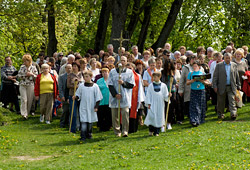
point(144, 26)
point(52, 45)
point(134, 18)
point(169, 24)
point(119, 15)
point(102, 25)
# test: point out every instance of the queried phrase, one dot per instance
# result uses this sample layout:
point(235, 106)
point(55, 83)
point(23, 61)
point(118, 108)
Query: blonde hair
point(44, 66)
point(146, 51)
point(238, 51)
point(88, 72)
point(83, 61)
point(98, 65)
point(27, 57)
point(111, 58)
point(92, 60)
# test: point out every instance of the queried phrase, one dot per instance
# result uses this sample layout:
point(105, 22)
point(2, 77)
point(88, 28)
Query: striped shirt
point(5, 72)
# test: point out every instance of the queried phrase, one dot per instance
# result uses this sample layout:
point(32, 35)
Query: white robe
point(155, 116)
point(141, 94)
point(88, 97)
point(126, 93)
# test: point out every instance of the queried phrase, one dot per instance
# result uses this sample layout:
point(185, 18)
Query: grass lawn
point(213, 145)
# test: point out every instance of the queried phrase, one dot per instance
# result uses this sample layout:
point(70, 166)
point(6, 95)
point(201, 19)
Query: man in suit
point(136, 53)
point(225, 83)
point(64, 95)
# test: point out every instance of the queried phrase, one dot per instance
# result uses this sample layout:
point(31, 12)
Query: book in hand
point(202, 77)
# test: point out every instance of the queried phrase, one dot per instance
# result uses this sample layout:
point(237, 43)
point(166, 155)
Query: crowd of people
point(119, 90)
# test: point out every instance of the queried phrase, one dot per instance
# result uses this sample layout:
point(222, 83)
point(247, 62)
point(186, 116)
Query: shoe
point(47, 122)
point(41, 118)
point(125, 135)
point(156, 134)
point(222, 116)
point(150, 133)
point(169, 127)
point(194, 124)
point(118, 135)
point(179, 122)
point(163, 129)
point(25, 117)
point(33, 114)
point(233, 117)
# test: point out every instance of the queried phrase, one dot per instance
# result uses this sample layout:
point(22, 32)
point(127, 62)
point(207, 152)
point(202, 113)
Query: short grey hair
point(210, 49)
point(229, 47)
point(134, 46)
point(189, 53)
point(110, 46)
point(176, 53)
point(64, 61)
point(122, 48)
point(71, 56)
point(227, 55)
point(151, 61)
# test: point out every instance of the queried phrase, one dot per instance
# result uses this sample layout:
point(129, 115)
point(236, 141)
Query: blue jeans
point(74, 115)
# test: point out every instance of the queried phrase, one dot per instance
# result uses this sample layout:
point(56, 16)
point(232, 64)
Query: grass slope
point(213, 145)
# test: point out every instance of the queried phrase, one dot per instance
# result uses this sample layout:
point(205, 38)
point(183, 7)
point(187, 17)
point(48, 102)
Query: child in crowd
point(90, 96)
point(156, 95)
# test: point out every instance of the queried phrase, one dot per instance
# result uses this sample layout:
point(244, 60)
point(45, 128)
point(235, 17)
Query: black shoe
point(194, 124)
point(234, 117)
point(125, 135)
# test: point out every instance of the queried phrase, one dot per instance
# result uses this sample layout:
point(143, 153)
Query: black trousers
point(104, 118)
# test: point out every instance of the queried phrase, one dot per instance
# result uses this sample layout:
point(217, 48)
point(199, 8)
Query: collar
point(227, 64)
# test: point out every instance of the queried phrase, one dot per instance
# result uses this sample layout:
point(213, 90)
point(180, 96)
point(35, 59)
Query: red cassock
point(135, 91)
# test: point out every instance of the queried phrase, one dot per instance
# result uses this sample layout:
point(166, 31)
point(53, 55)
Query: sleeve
point(127, 85)
point(238, 83)
point(141, 94)
point(34, 71)
point(37, 87)
point(215, 76)
point(3, 75)
point(183, 79)
point(145, 75)
point(60, 87)
point(149, 97)
point(165, 93)
point(112, 90)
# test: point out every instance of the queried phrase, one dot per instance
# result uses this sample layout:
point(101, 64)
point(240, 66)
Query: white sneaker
point(41, 118)
point(169, 127)
point(163, 129)
point(47, 122)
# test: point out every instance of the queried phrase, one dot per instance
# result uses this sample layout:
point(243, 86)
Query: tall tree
point(145, 25)
point(169, 24)
point(102, 25)
point(52, 45)
point(119, 16)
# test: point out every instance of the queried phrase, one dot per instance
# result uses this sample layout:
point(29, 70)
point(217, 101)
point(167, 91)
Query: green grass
point(213, 145)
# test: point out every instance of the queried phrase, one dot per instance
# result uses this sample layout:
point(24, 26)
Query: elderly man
point(226, 82)
point(71, 59)
point(188, 54)
point(167, 46)
point(64, 96)
point(9, 91)
point(136, 53)
point(120, 52)
point(111, 50)
point(127, 83)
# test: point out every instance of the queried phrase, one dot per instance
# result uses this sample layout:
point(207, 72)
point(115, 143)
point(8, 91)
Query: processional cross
point(121, 39)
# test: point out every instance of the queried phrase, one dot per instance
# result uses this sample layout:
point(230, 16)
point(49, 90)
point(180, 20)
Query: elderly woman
point(76, 75)
point(27, 73)
point(104, 112)
point(46, 90)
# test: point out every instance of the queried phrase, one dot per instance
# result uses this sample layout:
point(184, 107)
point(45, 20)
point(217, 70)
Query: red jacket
point(37, 86)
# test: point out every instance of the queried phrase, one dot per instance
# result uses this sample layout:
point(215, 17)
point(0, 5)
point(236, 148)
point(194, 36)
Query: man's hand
point(63, 99)
point(37, 98)
point(120, 82)
point(95, 109)
point(118, 96)
point(73, 97)
point(149, 106)
point(181, 94)
point(170, 94)
point(215, 90)
point(9, 77)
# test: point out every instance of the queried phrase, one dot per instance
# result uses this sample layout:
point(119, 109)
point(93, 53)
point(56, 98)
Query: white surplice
point(155, 116)
point(88, 97)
